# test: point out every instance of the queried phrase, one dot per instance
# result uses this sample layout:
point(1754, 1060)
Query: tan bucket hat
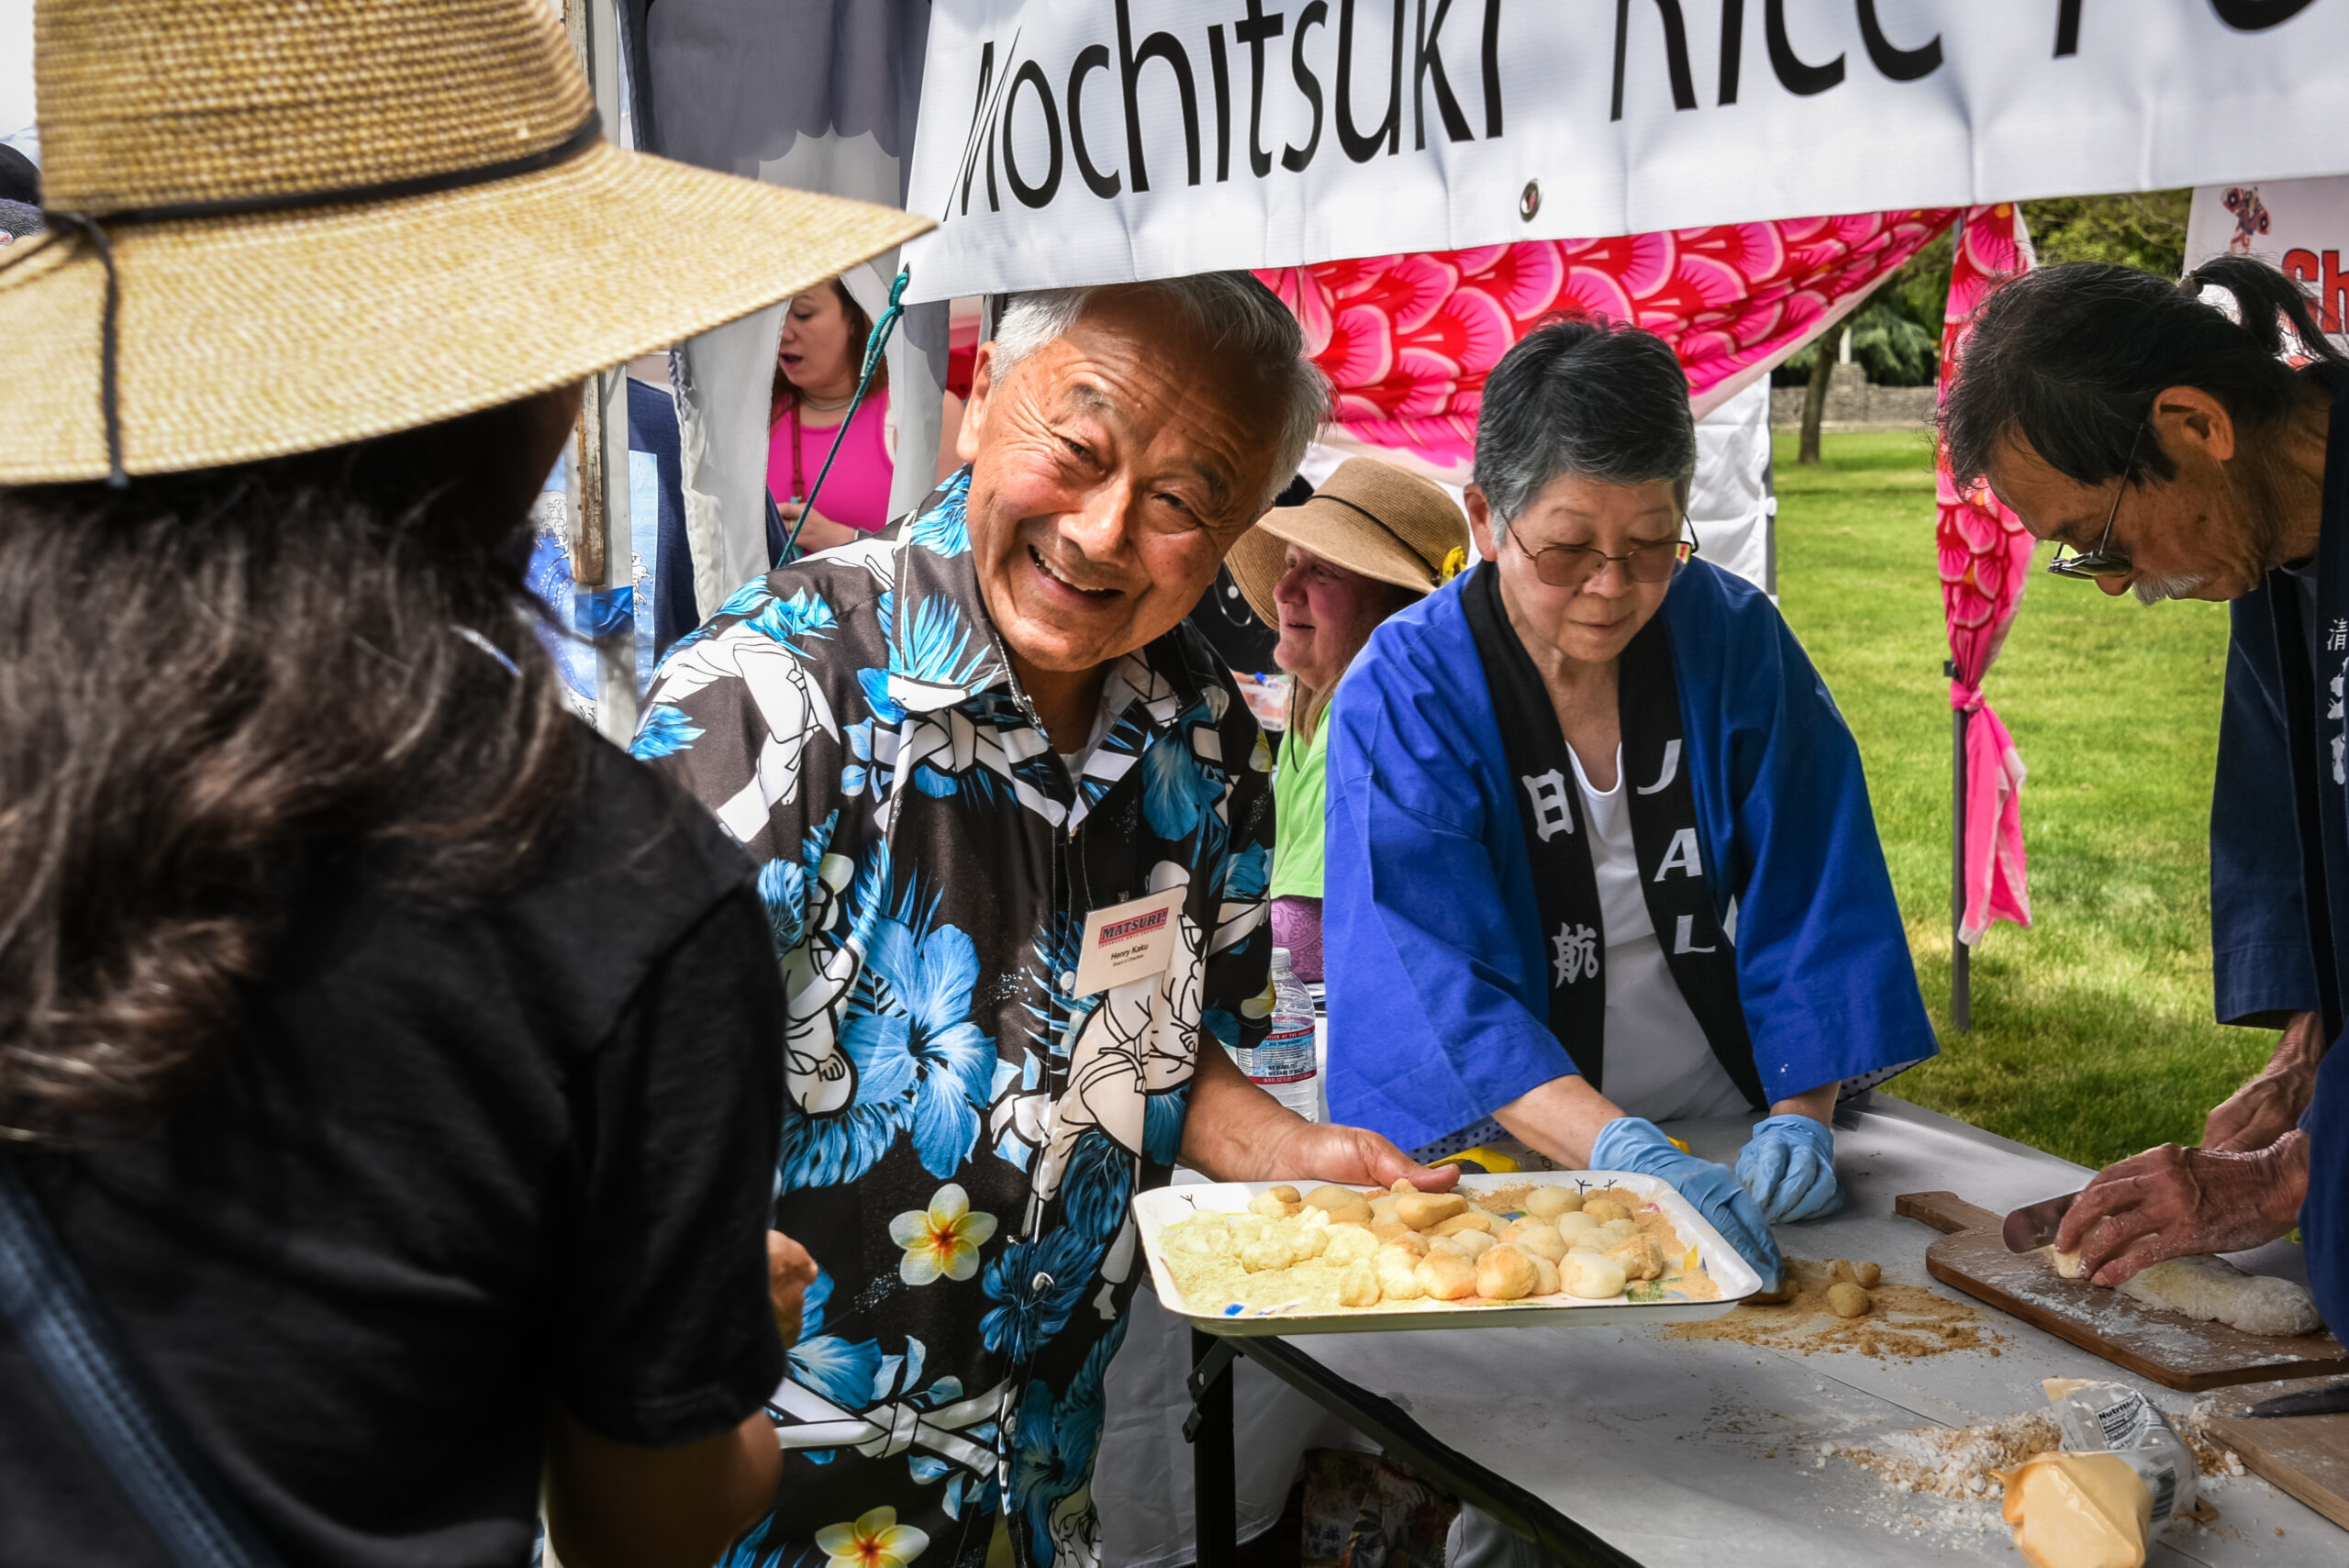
point(1385, 522)
point(282, 225)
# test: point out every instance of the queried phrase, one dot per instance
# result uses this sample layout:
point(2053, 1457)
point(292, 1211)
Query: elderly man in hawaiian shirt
point(948, 745)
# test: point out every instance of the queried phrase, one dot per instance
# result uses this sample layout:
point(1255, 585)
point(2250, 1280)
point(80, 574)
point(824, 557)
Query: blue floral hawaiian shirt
point(964, 1134)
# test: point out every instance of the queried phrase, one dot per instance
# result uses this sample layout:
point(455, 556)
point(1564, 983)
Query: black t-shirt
point(462, 1167)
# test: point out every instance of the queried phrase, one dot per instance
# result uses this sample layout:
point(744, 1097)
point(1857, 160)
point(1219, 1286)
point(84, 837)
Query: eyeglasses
point(1571, 565)
point(2104, 561)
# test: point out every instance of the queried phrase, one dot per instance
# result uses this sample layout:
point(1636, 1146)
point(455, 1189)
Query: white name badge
point(1128, 941)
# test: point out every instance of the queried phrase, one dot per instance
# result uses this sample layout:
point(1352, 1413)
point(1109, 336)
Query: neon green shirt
point(1298, 800)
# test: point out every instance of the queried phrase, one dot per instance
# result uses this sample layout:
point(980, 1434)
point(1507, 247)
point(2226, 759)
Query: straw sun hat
point(315, 221)
point(1371, 517)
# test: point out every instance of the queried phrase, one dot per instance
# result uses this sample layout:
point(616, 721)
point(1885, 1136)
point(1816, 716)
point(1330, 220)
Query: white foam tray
point(1154, 1211)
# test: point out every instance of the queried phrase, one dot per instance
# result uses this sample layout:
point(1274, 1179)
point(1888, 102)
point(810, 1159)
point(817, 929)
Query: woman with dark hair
point(1600, 850)
point(819, 358)
point(389, 1096)
point(2191, 440)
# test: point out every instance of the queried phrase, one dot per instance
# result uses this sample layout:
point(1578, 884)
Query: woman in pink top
point(816, 367)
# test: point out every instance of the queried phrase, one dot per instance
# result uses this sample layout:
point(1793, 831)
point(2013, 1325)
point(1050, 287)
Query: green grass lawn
point(2092, 1031)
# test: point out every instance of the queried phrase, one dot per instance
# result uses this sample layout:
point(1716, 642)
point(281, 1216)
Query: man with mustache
point(975, 754)
point(2160, 432)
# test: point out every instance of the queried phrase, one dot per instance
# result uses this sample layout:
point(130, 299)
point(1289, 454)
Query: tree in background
point(1896, 335)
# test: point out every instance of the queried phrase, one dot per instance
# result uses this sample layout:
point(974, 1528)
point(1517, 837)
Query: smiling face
point(814, 353)
point(1110, 471)
point(1593, 623)
point(1327, 615)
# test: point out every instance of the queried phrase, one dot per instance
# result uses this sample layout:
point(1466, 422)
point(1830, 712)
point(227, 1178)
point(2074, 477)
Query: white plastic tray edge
point(1157, 1209)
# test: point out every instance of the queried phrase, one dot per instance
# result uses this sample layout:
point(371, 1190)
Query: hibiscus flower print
point(876, 1540)
point(943, 1242)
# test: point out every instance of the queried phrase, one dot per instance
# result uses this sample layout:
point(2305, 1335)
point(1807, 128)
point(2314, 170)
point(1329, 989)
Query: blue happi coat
point(1436, 964)
point(2279, 841)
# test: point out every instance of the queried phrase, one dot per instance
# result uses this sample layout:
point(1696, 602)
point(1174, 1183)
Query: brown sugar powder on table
point(1904, 1321)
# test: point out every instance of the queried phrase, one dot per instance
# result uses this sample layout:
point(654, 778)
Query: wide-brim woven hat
point(333, 219)
point(1369, 516)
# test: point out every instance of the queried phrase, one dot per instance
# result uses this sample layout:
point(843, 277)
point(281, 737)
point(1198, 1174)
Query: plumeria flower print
point(875, 1540)
point(943, 1243)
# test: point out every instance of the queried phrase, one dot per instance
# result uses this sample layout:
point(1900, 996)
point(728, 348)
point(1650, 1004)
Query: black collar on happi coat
point(1703, 962)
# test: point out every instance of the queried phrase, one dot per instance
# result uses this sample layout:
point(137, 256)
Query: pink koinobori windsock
point(1406, 340)
point(1985, 563)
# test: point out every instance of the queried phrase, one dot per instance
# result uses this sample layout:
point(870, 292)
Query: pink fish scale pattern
point(1408, 340)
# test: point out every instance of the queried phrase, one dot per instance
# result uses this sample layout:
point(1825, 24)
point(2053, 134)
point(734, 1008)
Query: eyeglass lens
point(1571, 566)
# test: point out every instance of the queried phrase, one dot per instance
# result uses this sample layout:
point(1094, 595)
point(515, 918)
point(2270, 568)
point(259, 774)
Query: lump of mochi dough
point(1423, 1211)
point(1621, 1229)
point(1545, 1277)
point(1603, 1210)
point(1350, 1244)
point(2212, 1288)
point(1846, 1299)
point(1591, 1240)
point(1205, 1237)
point(1593, 1276)
point(1536, 1237)
point(1469, 1244)
point(1308, 1240)
point(1641, 1257)
point(1548, 1203)
point(1397, 1276)
point(1446, 1276)
point(1272, 1205)
point(1573, 1220)
point(1246, 1227)
point(1472, 1220)
point(1358, 1286)
point(1840, 1272)
point(1382, 1210)
point(1354, 1213)
point(1504, 1274)
point(1868, 1276)
point(1264, 1255)
point(2065, 1263)
point(1329, 1194)
point(1390, 1229)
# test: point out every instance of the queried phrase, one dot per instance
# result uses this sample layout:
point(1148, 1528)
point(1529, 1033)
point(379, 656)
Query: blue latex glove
point(1789, 1167)
point(1631, 1143)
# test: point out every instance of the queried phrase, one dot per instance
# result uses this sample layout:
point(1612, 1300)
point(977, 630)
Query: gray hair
point(1598, 400)
point(1239, 315)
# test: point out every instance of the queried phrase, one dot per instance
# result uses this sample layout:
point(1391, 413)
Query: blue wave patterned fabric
point(964, 1136)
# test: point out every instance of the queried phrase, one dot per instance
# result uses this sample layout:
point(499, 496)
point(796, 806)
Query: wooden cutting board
point(2170, 1348)
point(2307, 1456)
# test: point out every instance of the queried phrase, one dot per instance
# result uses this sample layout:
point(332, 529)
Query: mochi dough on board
point(2214, 1290)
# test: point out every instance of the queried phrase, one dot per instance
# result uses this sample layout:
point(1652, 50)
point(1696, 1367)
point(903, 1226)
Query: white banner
point(2301, 225)
point(1073, 142)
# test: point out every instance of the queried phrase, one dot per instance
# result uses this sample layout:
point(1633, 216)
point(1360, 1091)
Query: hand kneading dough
point(2212, 1289)
point(1603, 1210)
point(1358, 1286)
point(1548, 1203)
point(1591, 1276)
point(1422, 1210)
point(1446, 1276)
point(1504, 1274)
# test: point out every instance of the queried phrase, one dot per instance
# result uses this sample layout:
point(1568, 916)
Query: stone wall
point(1853, 405)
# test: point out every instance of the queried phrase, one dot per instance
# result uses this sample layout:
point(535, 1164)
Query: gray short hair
point(1595, 399)
point(1238, 313)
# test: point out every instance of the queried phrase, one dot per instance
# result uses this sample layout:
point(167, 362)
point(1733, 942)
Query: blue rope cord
point(876, 340)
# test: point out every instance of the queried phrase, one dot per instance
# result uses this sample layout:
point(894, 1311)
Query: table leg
point(1214, 1483)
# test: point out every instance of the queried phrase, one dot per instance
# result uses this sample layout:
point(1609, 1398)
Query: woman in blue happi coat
point(1600, 850)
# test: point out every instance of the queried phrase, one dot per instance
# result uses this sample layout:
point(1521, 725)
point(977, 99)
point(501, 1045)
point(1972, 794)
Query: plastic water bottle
point(1284, 1065)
